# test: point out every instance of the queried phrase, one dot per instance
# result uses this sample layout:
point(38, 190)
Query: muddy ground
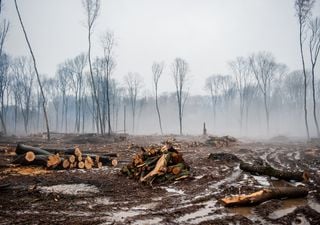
point(104, 196)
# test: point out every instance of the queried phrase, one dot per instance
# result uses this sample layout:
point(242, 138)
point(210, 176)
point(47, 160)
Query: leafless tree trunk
point(108, 43)
point(179, 73)
point(303, 10)
point(264, 69)
point(36, 70)
point(314, 48)
point(4, 65)
point(23, 79)
point(241, 71)
point(134, 83)
point(157, 69)
point(92, 10)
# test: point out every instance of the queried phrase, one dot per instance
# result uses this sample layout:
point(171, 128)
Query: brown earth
point(104, 196)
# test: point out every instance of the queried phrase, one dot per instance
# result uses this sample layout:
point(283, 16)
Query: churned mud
point(33, 195)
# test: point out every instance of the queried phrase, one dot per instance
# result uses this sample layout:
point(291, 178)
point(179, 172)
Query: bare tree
point(23, 73)
point(4, 86)
point(36, 71)
point(303, 12)
point(108, 44)
point(214, 85)
point(134, 83)
point(92, 8)
point(62, 78)
point(180, 69)
point(265, 68)
point(241, 71)
point(76, 69)
point(4, 65)
point(157, 69)
point(314, 49)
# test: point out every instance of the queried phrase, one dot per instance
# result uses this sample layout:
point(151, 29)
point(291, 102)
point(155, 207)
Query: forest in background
point(260, 96)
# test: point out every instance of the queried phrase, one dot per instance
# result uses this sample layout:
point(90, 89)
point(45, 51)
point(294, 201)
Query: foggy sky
point(206, 33)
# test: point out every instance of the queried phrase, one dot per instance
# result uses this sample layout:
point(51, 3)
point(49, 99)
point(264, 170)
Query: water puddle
point(244, 211)
point(121, 216)
point(288, 206)
point(229, 179)
point(314, 205)
point(70, 189)
point(103, 201)
point(202, 214)
point(155, 220)
point(173, 190)
point(263, 181)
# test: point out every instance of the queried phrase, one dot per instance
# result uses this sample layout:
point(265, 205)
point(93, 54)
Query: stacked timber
point(157, 164)
point(60, 158)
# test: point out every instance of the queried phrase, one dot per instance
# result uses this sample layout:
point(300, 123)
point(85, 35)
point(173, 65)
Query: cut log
point(159, 168)
point(66, 164)
point(270, 171)
point(88, 162)
point(72, 158)
point(30, 156)
point(114, 162)
point(178, 168)
point(81, 165)
point(72, 151)
point(53, 161)
point(105, 160)
point(22, 149)
point(264, 195)
point(28, 159)
point(77, 152)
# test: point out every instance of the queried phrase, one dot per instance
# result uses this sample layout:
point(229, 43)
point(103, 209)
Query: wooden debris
point(264, 195)
point(157, 163)
point(270, 171)
point(220, 142)
point(222, 156)
point(62, 159)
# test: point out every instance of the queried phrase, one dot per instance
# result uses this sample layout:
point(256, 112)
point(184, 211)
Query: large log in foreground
point(22, 149)
point(264, 195)
point(270, 171)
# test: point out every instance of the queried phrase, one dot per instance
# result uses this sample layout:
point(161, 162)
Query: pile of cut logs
point(157, 164)
point(61, 158)
point(220, 142)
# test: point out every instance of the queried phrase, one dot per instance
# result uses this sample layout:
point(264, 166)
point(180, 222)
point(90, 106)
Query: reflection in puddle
point(70, 189)
point(288, 206)
point(244, 211)
point(229, 179)
point(134, 211)
point(314, 205)
point(174, 191)
point(202, 214)
point(155, 220)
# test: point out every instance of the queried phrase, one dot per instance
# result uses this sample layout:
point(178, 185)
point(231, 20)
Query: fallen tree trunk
point(22, 149)
point(270, 171)
point(72, 151)
point(27, 160)
point(264, 195)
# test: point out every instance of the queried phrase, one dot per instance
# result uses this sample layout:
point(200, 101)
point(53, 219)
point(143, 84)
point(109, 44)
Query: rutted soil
point(104, 196)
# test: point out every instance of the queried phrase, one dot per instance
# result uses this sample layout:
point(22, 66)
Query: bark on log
point(264, 195)
point(270, 171)
point(71, 151)
point(24, 160)
point(22, 149)
point(159, 168)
